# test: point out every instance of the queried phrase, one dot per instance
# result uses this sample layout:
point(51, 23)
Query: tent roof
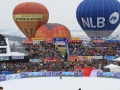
point(117, 59)
point(111, 66)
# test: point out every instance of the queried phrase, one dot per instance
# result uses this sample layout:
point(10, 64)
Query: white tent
point(117, 59)
point(113, 68)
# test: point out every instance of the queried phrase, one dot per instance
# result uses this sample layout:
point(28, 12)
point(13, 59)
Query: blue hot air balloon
point(98, 18)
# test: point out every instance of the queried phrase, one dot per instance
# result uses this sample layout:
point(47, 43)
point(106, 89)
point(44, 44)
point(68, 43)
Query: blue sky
point(61, 11)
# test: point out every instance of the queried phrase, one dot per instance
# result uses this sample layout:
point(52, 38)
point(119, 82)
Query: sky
point(60, 11)
point(67, 83)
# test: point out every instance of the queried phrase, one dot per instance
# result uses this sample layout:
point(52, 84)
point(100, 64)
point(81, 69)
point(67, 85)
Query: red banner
point(73, 58)
point(50, 60)
point(98, 41)
point(87, 71)
point(49, 40)
point(28, 42)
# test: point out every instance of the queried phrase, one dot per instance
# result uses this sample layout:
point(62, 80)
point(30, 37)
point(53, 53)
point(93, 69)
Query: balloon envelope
point(29, 16)
point(53, 30)
point(98, 18)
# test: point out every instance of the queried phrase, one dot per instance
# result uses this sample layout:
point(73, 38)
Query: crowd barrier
point(109, 74)
point(4, 77)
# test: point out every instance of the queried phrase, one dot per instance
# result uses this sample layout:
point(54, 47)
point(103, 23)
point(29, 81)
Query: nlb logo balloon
point(114, 17)
point(98, 18)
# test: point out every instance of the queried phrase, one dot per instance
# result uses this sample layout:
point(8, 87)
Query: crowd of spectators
point(18, 67)
point(94, 49)
point(43, 50)
point(48, 50)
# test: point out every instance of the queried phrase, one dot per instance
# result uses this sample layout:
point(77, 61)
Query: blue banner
point(2, 77)
point(60, 41)
point(4, 58)
point(109, 57)
point(108, 74)
point(113, 41)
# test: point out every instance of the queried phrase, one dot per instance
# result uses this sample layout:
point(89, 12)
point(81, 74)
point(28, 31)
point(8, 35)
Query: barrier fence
point(4, 77)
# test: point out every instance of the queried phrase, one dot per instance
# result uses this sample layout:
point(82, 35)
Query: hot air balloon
point(53, 30)
point(29, 16)
point(98, 18)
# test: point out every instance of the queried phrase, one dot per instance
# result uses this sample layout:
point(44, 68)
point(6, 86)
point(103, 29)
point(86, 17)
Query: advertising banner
point(50, 60)
point(4, 58)
point(73, 58)
point(81, 58)
point(87, 71)
point(34, 74)
point(84, 58)
point(98, 41)
point(70, 74)
point(97, 57)
point(24, 74)
point(55, 74)
point(38, 39)
point(49, 40)
point(62, 50)
point(108, 74)
point(60, 41)
point(10, 77)
point(17, 76)
point(28, 42)
point(17, 57)
point(36, 60)
point(2, 77)
point(109, 57)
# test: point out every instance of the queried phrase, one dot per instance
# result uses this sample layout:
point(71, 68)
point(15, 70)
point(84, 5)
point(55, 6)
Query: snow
point(67, 83)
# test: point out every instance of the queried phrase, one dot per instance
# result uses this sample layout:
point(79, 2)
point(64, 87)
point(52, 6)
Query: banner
point(73, 58)
point(28, 42)
point(49, 40)
point(38, 39)
point(60, 41)
point(36, 60)
point(87, 71)
point(98, 41)
point(97, 57)
point(13, 76)
point(109, 57)
point(75, 38)
point(28, 17)
point(81, 58)
point(96, 38)
point(50, 60)
point(24, 74)
point(84, 58)
point(4, 58)
point(109, 74)
point(17, 57)
point(62, 50)
point(2, 77)
point(10, 77)
point(55, 74)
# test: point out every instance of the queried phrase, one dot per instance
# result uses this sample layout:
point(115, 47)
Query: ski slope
point(67, 83)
